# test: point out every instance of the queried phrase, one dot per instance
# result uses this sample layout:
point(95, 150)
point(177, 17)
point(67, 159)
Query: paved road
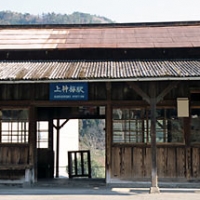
point(104, 193)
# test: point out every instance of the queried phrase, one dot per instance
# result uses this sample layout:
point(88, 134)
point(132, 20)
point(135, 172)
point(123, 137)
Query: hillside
point(14, 18)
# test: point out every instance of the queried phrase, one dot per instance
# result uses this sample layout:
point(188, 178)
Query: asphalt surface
point(62, 190)
point(96, 193)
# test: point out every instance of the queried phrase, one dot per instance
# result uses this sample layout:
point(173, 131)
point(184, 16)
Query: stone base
point(154, 190)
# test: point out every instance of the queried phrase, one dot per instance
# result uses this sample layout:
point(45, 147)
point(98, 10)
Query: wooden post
point(58, 127)
point(50, 142)
point(0, 124)
point(32, 144)
point(89, 165)
point(108, 130)
point(154, 178)
point(153, 100)
point(57, 147)
point(70, 164)
point(50, 146)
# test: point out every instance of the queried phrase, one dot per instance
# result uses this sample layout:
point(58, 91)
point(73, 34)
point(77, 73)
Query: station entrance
point(63, 135)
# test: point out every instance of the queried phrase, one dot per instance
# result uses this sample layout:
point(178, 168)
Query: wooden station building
point(143, 79)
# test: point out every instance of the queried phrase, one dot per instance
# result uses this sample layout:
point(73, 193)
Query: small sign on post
point(69, 91)
point(183, 107)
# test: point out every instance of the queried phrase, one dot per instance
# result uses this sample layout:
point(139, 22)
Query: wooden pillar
point(57, 147)
point(0, 124)
point(32, 143)
point(108, 133)
point(58, 127)
point(152, 101)
point(50, 142)
point(154, 178)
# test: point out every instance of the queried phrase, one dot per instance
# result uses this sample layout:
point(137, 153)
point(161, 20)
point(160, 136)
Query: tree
point(8, 18)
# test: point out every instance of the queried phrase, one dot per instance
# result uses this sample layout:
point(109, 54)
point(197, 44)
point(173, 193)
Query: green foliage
point(14, 18)
point(92, 137)
point(92, 134)
point(97, 170)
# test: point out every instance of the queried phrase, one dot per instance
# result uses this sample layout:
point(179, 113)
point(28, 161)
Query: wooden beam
point(64, 123)
point(137, 89)
point(166, 91)
point(60, 126)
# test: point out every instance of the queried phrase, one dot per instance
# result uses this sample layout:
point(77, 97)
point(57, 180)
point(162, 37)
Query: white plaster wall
point(69, 140)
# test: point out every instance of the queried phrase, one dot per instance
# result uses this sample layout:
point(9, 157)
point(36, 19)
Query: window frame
point(190, 136)
point(14, 127)
point(146, 127)
point(43, 142)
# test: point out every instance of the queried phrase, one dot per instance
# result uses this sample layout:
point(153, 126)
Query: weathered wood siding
point(13, 161)
point(124, 161)
point(11, 155)
point(134, 163)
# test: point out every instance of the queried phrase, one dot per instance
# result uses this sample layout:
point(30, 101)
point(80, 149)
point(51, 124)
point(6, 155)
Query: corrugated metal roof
point(100, 37)
point(102, 70)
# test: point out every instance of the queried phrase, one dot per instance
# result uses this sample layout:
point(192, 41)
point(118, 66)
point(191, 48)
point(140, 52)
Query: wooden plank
point(137, 162)
point(122, 160)
point(127, 163)
point(180, 162)
point(15, 167)
point(147, 162)
point(195, 163)
point(5, 155)
point(161, 162)
point(188, 161)
point(14, 155)
point(115, 165)
point(170, 163)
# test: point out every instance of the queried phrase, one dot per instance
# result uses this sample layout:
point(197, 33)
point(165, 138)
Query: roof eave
point(140, 79)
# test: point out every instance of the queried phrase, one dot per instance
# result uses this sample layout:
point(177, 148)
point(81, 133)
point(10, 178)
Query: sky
point(120, 11)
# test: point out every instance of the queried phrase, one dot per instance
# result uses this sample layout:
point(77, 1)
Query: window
point(14, 126)
point(132, 125)
point(169, 128)
point(42, 134)
point(195, 126)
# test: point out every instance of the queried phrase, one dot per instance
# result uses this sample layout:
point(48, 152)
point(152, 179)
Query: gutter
point(102, 80)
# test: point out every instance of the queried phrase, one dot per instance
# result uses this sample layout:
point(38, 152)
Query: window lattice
point(14, 126)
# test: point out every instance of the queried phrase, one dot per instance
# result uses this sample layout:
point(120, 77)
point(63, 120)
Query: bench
point(28, 173)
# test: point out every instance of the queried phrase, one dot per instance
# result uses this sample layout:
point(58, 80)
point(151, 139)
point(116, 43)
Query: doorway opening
point(57, 135)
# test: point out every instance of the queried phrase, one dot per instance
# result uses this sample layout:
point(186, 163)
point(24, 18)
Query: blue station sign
point(69, 91)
